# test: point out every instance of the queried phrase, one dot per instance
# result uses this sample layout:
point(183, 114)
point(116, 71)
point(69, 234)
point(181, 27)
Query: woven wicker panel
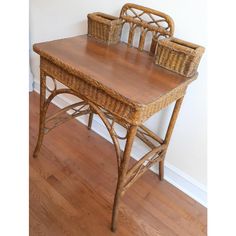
point(116, 104)
point(164, 101)
point(179, 56)
point(104, 27)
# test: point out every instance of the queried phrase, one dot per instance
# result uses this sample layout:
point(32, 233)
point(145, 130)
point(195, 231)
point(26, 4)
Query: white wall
point(187, 151)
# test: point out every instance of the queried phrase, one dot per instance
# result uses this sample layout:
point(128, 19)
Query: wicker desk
point(121, 85)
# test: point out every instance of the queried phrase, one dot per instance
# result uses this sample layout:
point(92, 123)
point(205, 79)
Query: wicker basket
point(104, 27)
point(179, 56)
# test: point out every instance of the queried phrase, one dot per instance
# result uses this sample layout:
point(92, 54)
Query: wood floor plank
point(72, 185)
point(36, 226)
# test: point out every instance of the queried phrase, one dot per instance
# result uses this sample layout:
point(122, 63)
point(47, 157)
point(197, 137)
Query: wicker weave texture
point(111, 102)
point(179, 56)
point(124, 109)
point(104, 27)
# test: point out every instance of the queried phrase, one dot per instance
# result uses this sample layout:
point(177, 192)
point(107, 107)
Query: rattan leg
point(161, 170)
point(42, 113)
point(169, 133)
point(90, 121)
point(122, 174)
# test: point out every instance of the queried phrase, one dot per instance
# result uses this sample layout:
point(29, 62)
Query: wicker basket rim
point(180, 45)
point(103, 18)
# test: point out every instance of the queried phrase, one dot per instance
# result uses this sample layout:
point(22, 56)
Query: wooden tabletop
point(125, 70)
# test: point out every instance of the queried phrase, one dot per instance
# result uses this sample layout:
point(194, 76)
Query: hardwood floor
point(72, 185)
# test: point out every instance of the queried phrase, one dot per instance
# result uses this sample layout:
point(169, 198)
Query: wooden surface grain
point(117, 67)
point(72, 185)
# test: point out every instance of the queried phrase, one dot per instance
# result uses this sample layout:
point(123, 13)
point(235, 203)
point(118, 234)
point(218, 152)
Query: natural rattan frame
point(126, 176)
point(103, 101)
point(152, 23)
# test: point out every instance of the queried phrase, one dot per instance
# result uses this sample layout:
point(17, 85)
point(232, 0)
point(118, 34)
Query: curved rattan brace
point(65, 109)
point(57, 120)
point(95, 108)
point(110, 130)
point(149, 20)
point(151, 13)
point(54, 84)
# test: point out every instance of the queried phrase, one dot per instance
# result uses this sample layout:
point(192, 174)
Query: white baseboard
point(31, 81)
point(173, 175)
